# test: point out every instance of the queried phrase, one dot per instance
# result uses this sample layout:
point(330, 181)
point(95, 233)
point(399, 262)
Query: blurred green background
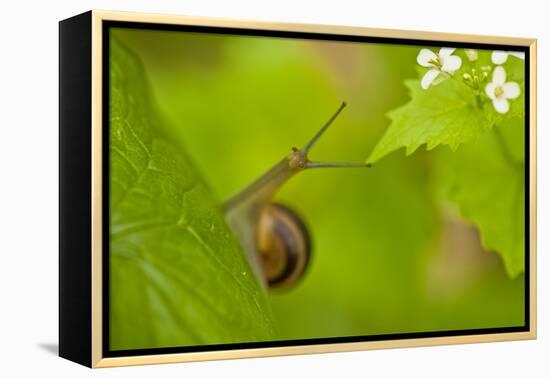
point(388, 256)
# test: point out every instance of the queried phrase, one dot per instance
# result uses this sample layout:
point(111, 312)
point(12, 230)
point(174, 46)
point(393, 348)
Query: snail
point(275, 239)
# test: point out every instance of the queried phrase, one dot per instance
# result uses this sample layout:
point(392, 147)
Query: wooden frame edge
point(96, 258)
point(98, 16)
point(309, 349)
point(533, 187)
point(310, 28)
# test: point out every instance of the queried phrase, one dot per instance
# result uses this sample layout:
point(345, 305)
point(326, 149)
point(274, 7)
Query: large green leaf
point(486, 179)
point(446, 114)
point(177, 274)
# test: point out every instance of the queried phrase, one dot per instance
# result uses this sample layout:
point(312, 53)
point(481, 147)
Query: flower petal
point(471, 54)
point(490, 90)
point(517, 54)
point(499, 57)
point(501, 105)
point(428, 78)
point(425, 56)
point(451, 63)
point(499, 75)
point(511, 90)
point(446, 51)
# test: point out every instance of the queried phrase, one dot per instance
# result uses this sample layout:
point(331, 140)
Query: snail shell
point(284, 246)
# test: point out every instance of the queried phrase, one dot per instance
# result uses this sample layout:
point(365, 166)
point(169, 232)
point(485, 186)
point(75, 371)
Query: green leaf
point(177, 274)
point(446, 114)
point(486, 180)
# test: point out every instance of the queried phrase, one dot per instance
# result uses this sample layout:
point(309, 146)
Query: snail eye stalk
point(321, 131)
point(316, 164)
point(305, 150)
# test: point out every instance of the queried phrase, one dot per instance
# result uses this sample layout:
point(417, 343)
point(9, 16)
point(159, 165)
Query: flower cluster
point(443, 65)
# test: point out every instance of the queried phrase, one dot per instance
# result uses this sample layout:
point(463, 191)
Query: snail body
point(275, 239)
point(273, 236)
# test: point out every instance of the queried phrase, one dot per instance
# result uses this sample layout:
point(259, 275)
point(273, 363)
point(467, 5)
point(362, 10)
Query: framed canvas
point(235, 189)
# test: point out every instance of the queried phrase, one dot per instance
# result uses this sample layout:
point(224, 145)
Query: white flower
point(501, 91)
point(499, 57)
point(471, 54)
point(444, 61)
